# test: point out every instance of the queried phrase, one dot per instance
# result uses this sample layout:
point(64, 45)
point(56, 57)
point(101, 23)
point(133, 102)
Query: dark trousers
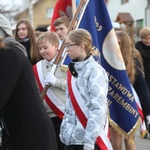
point(78, 147)
point(57, 122)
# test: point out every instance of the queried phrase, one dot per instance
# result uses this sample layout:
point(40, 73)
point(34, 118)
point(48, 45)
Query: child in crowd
point(86, 94)
point(61, 26)
point(48, 44)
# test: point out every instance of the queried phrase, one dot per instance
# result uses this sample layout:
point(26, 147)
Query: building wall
point(24, 14)
point(135, 7)
point(147, 14)
point(39, 13)
point(40, 10)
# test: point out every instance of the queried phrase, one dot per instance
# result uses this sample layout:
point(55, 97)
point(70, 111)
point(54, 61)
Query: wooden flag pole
point(71, 26)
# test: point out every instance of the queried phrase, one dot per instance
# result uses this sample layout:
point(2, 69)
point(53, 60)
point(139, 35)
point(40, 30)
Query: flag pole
point(71, 27)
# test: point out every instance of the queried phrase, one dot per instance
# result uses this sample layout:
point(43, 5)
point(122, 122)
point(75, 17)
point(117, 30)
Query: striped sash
point(143, 129)
point(83, 113)
point(52, 101)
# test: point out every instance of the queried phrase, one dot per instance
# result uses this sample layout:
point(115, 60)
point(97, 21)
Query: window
point(49, 12)
point(124, 1)
point(139, 26)
point(140, 23)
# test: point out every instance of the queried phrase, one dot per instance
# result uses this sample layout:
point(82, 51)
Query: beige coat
point(60, 87)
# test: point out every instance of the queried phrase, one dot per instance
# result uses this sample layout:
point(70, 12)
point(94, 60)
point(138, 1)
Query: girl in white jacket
point(86, 106)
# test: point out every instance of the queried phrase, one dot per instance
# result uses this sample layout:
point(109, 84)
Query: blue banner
point(122, 106)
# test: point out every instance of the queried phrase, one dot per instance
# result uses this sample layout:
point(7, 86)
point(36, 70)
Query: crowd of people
point(74, 109)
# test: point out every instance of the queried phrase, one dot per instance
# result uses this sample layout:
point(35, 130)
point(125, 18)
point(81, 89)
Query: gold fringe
point(64, 68)
point(143, 133)
point(130, 141)
point(129, 136)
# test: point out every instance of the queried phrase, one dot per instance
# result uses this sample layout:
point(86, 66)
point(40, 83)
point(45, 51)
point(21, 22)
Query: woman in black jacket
point(24, 34)
point(26, 123)
point(143, 46)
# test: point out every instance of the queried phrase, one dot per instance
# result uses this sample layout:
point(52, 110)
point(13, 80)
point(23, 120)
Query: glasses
point(67, 46)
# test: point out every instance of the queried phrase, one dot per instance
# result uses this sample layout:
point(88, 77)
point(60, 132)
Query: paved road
point(141, 144)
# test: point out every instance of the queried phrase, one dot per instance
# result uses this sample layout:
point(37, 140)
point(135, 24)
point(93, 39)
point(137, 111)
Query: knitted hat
point(5, 26)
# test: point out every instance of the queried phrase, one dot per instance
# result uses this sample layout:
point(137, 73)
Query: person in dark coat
point(143, 46)
point(24, 120)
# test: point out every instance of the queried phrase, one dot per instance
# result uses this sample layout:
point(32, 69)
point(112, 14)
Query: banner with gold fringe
point(124, 115)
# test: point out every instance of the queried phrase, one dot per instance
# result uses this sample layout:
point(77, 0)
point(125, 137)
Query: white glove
point(50, 79)
point(148, 119)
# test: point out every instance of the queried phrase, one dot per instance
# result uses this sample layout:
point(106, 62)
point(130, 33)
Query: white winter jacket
point(92, 83)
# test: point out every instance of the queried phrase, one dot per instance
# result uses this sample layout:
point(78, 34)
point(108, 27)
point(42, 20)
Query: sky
point(16, 2)
point(12, 6)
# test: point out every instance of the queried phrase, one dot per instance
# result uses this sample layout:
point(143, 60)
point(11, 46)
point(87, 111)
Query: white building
point(138, 10)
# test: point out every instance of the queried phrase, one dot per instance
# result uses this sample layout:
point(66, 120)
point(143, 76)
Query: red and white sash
point(143, 129)
point(83, 113)
point(53, 102)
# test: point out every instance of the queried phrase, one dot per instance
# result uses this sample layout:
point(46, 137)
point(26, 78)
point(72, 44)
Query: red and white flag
point(62, 7)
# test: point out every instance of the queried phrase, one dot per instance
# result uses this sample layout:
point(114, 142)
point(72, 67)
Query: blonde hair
point(49, 36)
point(126, 48)
point(144, 32)
point(62, 20)
point(79, 36)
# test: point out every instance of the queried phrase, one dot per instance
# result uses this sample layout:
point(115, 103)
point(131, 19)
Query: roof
point(124, 18)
